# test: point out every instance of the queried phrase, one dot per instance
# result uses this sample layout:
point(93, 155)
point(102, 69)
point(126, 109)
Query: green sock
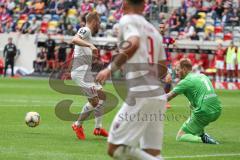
point(189, 138)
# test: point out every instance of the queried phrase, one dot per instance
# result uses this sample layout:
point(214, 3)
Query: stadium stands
point(220, 18)
point(70, 12)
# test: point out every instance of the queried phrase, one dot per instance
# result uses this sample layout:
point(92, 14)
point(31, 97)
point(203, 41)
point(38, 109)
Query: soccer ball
point(32, 119)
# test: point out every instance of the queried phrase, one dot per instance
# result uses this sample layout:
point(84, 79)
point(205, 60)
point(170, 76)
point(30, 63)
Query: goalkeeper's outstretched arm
point(171, 95)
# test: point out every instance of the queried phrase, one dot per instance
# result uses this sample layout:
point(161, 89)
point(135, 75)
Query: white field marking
point(204, 156)
point(25, 100)
point(41, 102)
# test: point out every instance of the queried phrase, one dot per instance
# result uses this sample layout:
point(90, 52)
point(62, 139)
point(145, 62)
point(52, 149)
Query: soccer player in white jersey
point(83, 77)
point(129, 129)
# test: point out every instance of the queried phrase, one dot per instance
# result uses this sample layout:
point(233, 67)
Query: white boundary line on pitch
point(204, 156)
point(32, 103)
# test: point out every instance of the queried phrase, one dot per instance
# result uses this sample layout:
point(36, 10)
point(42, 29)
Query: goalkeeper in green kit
point(205, 106)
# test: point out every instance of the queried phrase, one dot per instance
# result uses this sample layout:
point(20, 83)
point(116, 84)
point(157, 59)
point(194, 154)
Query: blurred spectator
point(5, 18)
point(10, 6)
point(101, 8)
point(10, 51)
point(50, 45)
point(25, 27)
point(207, 5)
point(226, 17)
point(174, 22)
point(71, 4)
point(182, 19)
point(235, 4)
point(34, 26)
point(39, 7)
point(22, 7)
point(61, 27)
point(51, 7)
point(70, 30)
point(190, 32)
point(219, 58)
point(162, 18)
point(163, 6)
point(191, 10)
point(60, 7)
point(230, 60)
point(40, 63)
point(218, 11)
point(85, 7)
point(235, 17)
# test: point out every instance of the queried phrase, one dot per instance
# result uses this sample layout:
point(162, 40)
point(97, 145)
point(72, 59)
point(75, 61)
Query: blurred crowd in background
point(64, 16)
point(195, 19)
point(206, 20)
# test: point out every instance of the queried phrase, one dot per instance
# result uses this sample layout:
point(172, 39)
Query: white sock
point(98, 112)
point(126, 152)
point(86, 110)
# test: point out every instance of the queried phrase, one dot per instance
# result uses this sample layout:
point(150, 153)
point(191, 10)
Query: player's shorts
point(219, 64)
point(231, 67)
point(196, 123)
point(86, 82)
point(50, 56)
point(139, 124)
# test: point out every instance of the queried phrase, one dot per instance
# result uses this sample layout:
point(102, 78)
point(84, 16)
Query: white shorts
point(86, 82)
point(139, 124)
point(231, 67)
point(219, 64)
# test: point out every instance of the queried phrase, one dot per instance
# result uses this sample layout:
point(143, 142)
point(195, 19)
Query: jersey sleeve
point(128, 28)
point(182, 87)
point(83, 33)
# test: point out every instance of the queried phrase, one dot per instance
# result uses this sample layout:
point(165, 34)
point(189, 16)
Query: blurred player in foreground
point(205, 106)
point(145, 49)
point(83, 77)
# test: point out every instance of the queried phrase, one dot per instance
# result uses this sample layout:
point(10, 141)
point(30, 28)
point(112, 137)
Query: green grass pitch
point(54, 139)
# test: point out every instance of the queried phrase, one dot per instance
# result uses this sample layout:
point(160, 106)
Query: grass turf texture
point(54, 139)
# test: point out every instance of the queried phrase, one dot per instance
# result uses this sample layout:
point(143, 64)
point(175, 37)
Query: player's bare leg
point(95, 105)
point(86, 111)
point(98, 112)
